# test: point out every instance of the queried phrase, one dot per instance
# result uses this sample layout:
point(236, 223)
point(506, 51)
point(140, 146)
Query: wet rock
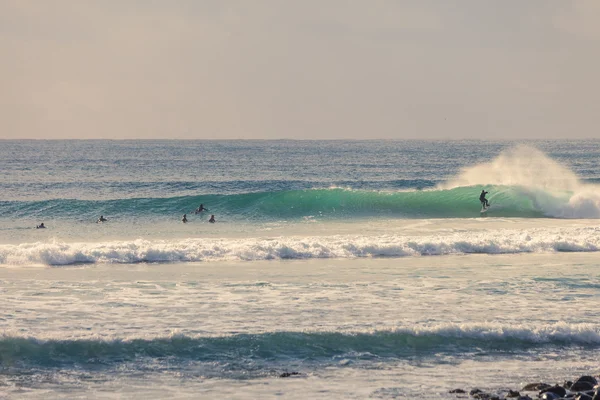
point(526, 397)
point(558, 390)
point(288, 374)
point(549, 396)
point(533, 387)
point(582, 396)
point(513, 393)
point(457, 391)
point(567, 384)
point(480, 394)
point(485, 396)
point(584, 383)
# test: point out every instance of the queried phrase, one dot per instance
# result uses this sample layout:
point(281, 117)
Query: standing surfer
point(484, 202)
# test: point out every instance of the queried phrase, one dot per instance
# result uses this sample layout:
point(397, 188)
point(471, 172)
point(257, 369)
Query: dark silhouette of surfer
point(101, 219)
point(212, 219)
point(184, 219)
point(484, 202)
point(200, 209)
point(41, 226)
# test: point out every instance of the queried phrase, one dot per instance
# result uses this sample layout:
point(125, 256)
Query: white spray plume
point(552, 188)
point(519, 166)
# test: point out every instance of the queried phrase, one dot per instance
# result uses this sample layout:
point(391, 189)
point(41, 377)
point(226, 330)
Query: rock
point(558, 390)
point(480, 394)
point(549, 396)
point(512, 393)
point(567, 384)
point(526, 397)
point(532, 387)
point(582, 396)
point(585, 382)
point(457, 391)
point(288, 374)
point(485, 396)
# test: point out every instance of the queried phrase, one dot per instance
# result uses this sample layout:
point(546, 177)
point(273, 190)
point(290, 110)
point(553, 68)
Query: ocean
point(334, 270)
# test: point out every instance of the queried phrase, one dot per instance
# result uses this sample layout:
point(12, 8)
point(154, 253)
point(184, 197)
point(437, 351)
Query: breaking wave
point(338, 246)
point(395, 343)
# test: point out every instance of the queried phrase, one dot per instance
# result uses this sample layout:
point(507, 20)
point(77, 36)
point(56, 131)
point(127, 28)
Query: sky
point(305, 69)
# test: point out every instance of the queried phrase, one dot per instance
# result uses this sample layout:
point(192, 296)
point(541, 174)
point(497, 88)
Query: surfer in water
point(41, 226)
point(200, 209)
point(101, 219)
point(212, 219)
point(184, 218)
point(484, 202)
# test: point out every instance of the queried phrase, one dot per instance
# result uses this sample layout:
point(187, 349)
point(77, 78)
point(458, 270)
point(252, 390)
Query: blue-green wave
point(335, 203)
point(281, 346)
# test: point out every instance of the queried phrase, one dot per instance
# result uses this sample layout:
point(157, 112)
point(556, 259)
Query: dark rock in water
point(588, 378)
point(457, 391)
point(549, 396)
point(532, 387)
point(513, 393)
point(582, 396)
point(558, 390)
point(586, 382)
point(288, 374)
point(526, 397)
point(475, 391)
point(582, 386)
point(596, 395)
point(484, 396)
point(567, 384)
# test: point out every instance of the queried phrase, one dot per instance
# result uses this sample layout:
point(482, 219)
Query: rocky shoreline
point(584, 388)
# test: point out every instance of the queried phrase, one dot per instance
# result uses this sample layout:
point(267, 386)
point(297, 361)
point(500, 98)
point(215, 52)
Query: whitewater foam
point(507, 241)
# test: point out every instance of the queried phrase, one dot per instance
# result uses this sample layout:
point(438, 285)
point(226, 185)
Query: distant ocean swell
point(398, 343)
point(111, 190)
point(338, 246)
point(334, 203)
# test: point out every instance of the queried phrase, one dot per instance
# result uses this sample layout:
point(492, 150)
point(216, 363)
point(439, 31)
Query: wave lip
point(338, 246)
point(397, 343)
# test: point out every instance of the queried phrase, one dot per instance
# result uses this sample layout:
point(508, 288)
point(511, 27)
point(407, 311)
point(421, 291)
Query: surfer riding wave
point(484, 202)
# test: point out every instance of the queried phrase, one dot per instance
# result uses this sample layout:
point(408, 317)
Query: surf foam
point(585, 239)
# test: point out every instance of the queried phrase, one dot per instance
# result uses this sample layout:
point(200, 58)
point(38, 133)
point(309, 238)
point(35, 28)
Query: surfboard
point(484, 209)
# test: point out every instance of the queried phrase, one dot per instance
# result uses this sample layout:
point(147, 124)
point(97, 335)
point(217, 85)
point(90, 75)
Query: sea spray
point(552, 189)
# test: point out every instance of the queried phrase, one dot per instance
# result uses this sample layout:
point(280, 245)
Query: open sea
point(334, 270)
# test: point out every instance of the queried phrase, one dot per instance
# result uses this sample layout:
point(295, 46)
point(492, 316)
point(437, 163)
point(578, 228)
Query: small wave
point(396, 343)
point(337, 246)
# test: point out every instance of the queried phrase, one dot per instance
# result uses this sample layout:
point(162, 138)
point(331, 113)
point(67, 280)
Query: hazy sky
point(299, 69)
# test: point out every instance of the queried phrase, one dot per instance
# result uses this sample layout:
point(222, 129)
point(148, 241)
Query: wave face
point(277, 248)
point(399, 343)
point(336, 203)
point(522, 182)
